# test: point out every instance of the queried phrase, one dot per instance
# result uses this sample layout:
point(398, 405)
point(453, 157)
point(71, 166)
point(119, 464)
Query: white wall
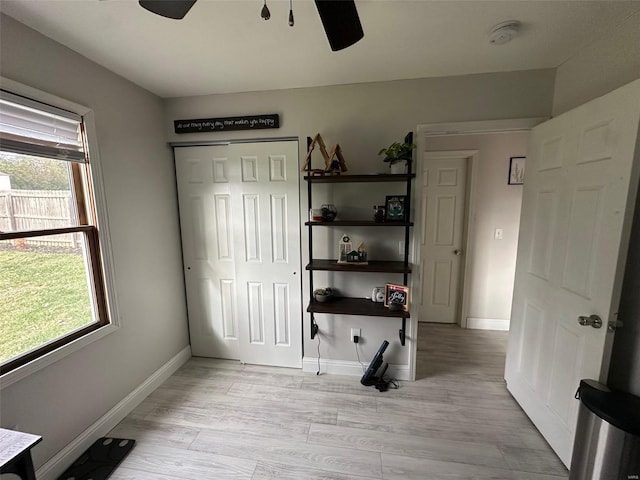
point(600, 67)
point(497, 205)
point(363, 118)
point(62, 400)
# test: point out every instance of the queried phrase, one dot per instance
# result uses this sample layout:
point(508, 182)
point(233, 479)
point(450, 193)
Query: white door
point(240, 224)
point(443, 211)
point(266, 217)
point(207, 247)
point(578, 197)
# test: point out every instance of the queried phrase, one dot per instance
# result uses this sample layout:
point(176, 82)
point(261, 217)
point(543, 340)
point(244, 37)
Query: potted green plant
point(323, 294)
point(397, 154)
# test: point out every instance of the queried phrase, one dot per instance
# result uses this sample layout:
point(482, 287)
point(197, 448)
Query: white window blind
point(33, 128)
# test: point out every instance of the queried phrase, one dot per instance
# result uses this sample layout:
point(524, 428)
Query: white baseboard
point(487, 323)
point(61, 461)
point(345, 367)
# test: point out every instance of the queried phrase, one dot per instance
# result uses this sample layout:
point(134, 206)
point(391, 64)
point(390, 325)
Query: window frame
point(96, 232)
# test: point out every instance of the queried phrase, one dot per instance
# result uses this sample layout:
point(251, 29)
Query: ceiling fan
point(339, 18)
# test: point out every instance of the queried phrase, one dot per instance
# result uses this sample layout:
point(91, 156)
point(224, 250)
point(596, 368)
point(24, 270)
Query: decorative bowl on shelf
point(329, 212)
point(323, 294)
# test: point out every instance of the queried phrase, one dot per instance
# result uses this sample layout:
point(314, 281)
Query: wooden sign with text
point(247, 122)
point(398, 294)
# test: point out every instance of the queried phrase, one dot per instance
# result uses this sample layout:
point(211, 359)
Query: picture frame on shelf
point(516, 170)
point(394, 208)
point(396, 294)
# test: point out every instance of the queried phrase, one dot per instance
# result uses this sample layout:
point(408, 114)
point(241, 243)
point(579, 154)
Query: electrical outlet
point(355, 332)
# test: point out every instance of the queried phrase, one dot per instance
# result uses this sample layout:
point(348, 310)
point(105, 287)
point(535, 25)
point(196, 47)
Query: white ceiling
point(224, 46)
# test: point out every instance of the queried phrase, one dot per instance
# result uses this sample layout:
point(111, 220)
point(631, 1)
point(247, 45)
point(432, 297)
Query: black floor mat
point(100, 460)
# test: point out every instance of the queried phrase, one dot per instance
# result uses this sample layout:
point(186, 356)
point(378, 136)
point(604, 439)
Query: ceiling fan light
point(291, 13)
point(175, 9)
point(265, 13)
point(341, 22)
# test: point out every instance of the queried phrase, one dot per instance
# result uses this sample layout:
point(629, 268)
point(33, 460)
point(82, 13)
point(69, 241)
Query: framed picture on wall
point(516, 170)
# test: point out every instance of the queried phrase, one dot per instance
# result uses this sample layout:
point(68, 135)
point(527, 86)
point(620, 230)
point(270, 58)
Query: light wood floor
point(220, 420)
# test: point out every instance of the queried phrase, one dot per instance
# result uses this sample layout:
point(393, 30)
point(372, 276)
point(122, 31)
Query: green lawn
point(42, 296)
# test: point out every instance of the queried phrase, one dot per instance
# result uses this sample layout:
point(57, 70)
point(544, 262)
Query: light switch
point(498, 234)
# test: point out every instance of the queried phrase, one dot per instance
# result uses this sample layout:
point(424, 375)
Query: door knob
point(458, 252)
point(593, 320)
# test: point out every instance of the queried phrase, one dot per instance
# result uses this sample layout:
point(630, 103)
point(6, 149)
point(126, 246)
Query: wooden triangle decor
point(334, 162)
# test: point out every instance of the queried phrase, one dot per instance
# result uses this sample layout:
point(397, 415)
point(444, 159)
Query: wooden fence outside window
point(25, 210)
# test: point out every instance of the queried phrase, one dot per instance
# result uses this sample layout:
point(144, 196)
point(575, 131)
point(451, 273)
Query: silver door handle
point(457, 252)
point(593, 320)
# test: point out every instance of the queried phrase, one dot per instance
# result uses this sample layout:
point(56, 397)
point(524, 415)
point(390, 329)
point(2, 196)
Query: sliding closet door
point(239, 211)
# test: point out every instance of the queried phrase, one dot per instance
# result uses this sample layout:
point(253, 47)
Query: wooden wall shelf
point(355, 306)
point(373, 266)
point(358, 306)
point(358, 223)
point(372, 177)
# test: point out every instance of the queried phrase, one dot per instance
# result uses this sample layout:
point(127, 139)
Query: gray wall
point(599, 68)
point(62, 400)
point(363, 118)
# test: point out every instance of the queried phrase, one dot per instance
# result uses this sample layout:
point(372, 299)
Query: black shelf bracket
point(402, 331)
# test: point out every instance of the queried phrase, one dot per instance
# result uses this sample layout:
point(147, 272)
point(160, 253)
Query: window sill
point(44, 361)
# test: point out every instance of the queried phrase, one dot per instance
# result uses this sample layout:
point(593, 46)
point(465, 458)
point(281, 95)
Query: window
point(52, 287)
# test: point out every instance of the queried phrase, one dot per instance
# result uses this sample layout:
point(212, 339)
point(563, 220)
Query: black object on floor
point(100, 460)
point(377, 365)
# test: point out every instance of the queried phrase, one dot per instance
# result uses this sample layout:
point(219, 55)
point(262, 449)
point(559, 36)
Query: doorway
point(487, 263)
point(488, 212)
point(581, 185)
point(442, 240)
point(240, 227)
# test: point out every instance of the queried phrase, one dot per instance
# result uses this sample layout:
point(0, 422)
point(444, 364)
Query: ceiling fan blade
point(175, 9)
point(341, 22)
